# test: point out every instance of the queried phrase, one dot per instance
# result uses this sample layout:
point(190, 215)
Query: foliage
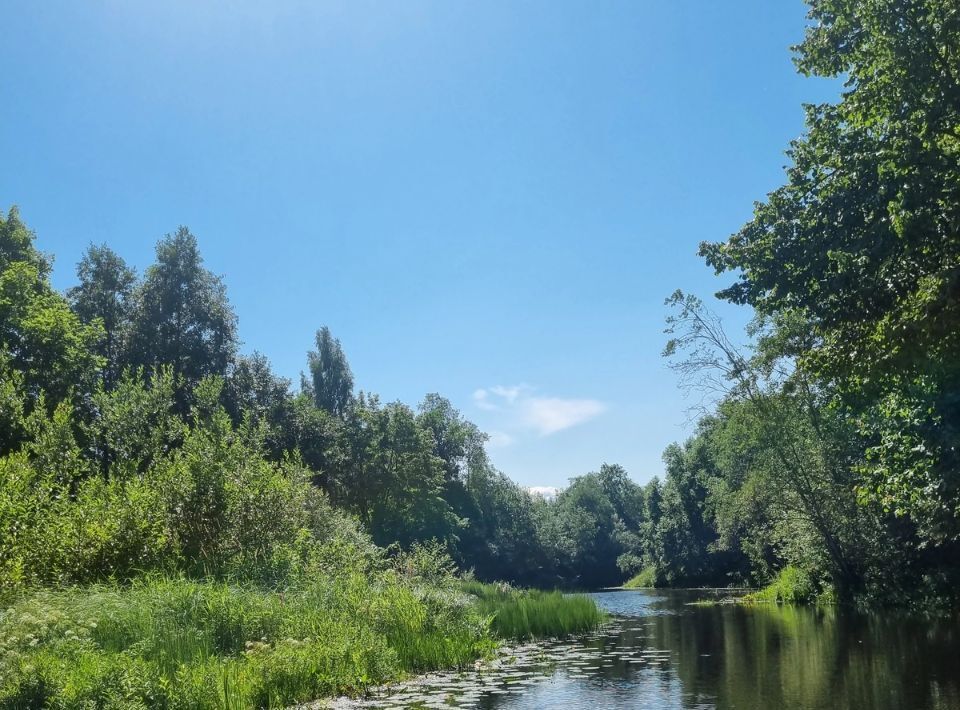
point(331, 380)
point(40, 337)
point(181, 316)
point(644, 579)
point(861, 244)
point(104, 296)
point(177, 643)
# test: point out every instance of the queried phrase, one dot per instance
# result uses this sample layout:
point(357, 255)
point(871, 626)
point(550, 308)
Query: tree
point(105, 295)
point(331, 380)
point(182, 317)
point(458, 442)
point(587, 525)
point(808, 449)
point(54, 352)
point(863, 243)
point(392, 479)
point(253, 392)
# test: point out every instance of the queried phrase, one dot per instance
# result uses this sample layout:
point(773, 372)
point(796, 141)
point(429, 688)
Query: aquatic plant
point(647, 577)
point(524, 614)
point(791, 586)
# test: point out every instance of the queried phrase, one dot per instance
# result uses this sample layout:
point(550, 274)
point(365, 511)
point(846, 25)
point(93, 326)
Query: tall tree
point(331, 379)
point(105, 293)
point(863, 243)
point(182, 317)
point(43, 339)
point(809, 447)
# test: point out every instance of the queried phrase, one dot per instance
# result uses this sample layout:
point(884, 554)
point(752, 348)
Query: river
point(660, 652)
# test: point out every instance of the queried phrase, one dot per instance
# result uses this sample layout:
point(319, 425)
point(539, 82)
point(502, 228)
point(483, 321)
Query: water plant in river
point(525, 614)
point(645, 578)
point(791, 586)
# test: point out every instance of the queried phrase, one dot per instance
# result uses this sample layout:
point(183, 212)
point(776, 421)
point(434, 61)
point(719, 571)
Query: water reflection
point(660, 652)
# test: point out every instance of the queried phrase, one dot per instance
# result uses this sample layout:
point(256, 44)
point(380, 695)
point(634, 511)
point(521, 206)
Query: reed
point(179, 643)
point(526, 614)
point(176, 643)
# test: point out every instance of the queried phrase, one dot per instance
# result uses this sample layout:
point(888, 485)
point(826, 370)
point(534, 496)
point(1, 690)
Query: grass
point(791, 586)
point(646, 578)
point(175, 643)
point(526, 614)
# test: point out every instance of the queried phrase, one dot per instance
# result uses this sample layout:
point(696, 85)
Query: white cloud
point(545, 415)
point(548, 415)
point(481, 398)
point(548, 492)
point(510, 394)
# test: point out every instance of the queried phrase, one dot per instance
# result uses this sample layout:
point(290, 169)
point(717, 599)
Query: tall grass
point(645, 578)
point(791, 586)
point(175, 643)
point(525, 614)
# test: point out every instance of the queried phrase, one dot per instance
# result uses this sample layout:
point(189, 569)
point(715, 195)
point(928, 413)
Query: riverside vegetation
point(179, 524)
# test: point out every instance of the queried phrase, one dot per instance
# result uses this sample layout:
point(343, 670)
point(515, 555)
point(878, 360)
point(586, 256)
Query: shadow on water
point(660, 652)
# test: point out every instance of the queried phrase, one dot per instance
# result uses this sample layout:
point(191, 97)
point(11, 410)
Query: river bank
point(178, 643)
point(658, 651)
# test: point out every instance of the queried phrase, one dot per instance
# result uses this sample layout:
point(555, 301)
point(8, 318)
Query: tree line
point(137, 436)
point(134, 435)
point(831, 444)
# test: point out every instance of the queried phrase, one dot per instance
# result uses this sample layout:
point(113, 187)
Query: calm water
point(659, 652)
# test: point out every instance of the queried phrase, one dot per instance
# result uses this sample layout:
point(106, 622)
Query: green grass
point(526, 614)
point(174, 643)
point(791, 586)
point(647, 577)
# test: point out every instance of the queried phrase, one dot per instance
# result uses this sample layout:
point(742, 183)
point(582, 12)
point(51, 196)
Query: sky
point(488, 200)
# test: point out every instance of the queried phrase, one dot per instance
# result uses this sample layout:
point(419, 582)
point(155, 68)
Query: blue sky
point(487, 200)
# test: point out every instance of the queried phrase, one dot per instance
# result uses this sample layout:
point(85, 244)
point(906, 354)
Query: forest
point(144, 456)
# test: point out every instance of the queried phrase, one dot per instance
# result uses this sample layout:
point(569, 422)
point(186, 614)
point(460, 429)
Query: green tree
point(863, 243)
point(104, 295)
point(589, 547)
point(391, 477)
point(44, 341)
point(182, 317)
point(806, 447)
point(331, 381)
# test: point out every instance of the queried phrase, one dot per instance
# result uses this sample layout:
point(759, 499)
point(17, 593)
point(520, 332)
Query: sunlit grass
point(524, 614)
point(646, 578)
point(791, 586)
point(175, 643)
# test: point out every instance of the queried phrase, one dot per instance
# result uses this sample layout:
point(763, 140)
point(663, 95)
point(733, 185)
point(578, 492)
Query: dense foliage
point(139, 447)
point(862, 246)
point(832, 452)
point(180, 529)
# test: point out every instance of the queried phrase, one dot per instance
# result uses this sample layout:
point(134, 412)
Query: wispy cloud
point(549, 415)
point(481, 398)
point(546, 415)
